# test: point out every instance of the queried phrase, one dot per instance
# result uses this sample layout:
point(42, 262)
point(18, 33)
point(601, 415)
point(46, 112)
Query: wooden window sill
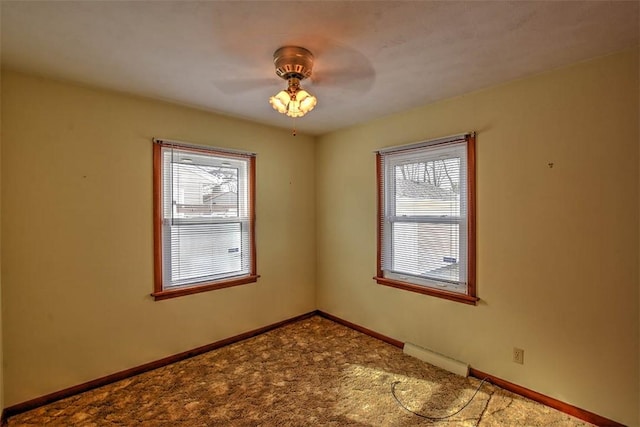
point(452, 296)
point(212, 286)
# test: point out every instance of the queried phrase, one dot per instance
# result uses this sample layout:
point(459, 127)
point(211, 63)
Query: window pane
point(426, 249)
point(203, 251)
point(428, 187)
point(205, 191)
point(200, 186)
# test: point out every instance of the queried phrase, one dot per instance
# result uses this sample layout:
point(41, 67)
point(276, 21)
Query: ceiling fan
point(334, 70)
point(293, 64)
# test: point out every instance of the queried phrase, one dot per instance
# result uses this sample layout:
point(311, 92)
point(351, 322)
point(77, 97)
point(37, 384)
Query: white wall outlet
point(518, 355)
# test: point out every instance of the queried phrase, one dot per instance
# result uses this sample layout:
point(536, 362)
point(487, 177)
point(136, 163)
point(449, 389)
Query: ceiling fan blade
point(347, 79)
point(230, 86)
point(336, 67)
point(341, 67)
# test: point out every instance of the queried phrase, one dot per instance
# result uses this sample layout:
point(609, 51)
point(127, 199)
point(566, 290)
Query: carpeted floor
point(310, 373)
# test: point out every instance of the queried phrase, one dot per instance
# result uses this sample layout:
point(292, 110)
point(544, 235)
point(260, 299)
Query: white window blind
point(424, 214)
point(205, 216)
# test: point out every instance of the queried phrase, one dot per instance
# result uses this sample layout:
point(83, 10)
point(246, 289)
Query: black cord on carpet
point(393, 393)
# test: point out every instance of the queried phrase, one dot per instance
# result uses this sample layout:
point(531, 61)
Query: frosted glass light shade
point(280, 101)
point(293, 105)
point(306, 100)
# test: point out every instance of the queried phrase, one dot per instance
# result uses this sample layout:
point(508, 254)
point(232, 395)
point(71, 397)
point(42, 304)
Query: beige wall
point(1, 312)
point(76, 215)
point(557, 248)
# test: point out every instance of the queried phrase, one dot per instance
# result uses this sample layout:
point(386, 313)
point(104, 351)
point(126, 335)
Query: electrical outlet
point(518, 355)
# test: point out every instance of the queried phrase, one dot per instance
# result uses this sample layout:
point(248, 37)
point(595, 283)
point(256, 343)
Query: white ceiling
point(371, 58)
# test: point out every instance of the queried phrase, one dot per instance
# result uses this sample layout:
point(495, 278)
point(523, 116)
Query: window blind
point(205, 216)
point(424, 214)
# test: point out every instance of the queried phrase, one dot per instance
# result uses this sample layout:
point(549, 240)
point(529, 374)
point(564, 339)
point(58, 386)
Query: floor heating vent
point(437, 359)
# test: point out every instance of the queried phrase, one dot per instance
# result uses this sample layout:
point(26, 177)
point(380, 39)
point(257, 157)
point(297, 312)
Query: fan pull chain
point(293, 133)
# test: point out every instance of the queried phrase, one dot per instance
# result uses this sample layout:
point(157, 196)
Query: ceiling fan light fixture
point(293, 64)
point(294, 101)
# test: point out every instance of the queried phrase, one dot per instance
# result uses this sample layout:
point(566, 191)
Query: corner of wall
point(637, 59)
point(1, 311)
point(316, 141)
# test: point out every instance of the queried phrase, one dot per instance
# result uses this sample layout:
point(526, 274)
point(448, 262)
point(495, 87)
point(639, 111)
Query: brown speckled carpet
point(310, 373)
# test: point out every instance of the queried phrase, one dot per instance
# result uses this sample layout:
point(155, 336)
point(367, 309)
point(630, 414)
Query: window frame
point(470, 297)
point(161, 291)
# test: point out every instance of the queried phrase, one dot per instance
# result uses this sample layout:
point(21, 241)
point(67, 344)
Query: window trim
point(159, 293)
point(470, 297)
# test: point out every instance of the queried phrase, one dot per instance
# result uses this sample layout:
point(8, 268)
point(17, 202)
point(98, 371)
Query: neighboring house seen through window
point(204, 219)
point(426, 217)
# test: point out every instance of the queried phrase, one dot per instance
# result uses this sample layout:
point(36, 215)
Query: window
point(426, 218)
point(203, 219)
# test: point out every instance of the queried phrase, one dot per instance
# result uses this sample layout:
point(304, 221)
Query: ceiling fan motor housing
point(293, 62)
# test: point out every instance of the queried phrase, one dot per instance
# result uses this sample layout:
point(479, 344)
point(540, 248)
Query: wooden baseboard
point(80, 388)
point(67, 392)
point(514, 388)
point(362, 329)
point(546, 400)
